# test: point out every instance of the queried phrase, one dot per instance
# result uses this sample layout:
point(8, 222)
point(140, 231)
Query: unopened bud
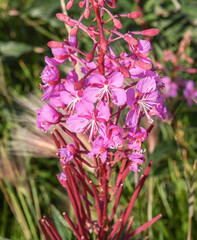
point(87, 13)
point(90, 56)
point(125, 72)
point(191, 70)
point(74, 31)
point(69, 5)
point(111, 3)
point(150, 32)
point(82, 4)
point(79, 84)
point(91, 29)
point(54, 44)
point(101, 2)
point(143, 65)
point(103, 44)
point(131, 40)
point(135, 15)
point(117, 23)
point(62, 17)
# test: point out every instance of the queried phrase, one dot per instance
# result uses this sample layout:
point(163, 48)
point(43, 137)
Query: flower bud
point(143, 65)
point(101, 2)
point(69, 5)
point(82, 4)
point(150, 32)
point(117, 23)
point(87, 13)
point(90, 56)
point(54, 44)
point(125, 72)
point(103, 44)
point(62, 17)
point(135, 15)
point(131, 40)
point(74, 31)
point(79, 84)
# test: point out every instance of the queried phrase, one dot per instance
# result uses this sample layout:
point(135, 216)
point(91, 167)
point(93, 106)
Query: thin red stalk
point(118, 195)
point(52, 228)
point(123, 176)
point(69, 221)
point(60, 138)
point(55, 140)
point(134, 197)
point(84, 161)
point(129, 228)
point(145, 226)
point(73, 135)
point(48, 230)
point(75, 189)
point(82, 181)
point(74, 204)
point(101, 35)
point(121, 169)
point(43, 230)
point(97, 203)
point(82, 172)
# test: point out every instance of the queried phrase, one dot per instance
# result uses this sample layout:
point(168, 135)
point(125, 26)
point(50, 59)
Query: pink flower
point(136, 139)
point(61, 52)
point(170, 88)
point(115, 137)
point(62, 179)
point(47, 116)
point(100, 87)
point(148, 100)
point(190, 92)
point(137, 159)
point(88, 119)
point(99, 147)
point(67, 153)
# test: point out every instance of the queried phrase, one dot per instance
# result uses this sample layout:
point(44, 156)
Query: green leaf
point(14, 49)
point(61, 224)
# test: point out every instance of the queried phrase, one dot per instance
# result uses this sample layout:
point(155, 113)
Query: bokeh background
point(29, 188)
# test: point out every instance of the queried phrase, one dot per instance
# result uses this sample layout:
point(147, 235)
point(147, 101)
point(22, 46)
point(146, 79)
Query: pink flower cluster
point(105, 101)
point(92, 105)
point(179, 66)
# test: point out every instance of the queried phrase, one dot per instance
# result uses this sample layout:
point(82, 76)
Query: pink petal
point(77, 124)
point(84, 108)
point(91, 94)
point(131, 97)
point(116, 79)
point(132, 118)
point(119, 96)
point(96, 78)
point(146, 84)
point(103, 110)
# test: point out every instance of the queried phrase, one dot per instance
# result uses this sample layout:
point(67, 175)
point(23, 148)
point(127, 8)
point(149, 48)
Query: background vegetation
point(28, 167)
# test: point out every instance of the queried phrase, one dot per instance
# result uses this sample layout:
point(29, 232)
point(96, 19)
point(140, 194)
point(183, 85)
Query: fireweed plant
point(91, 103)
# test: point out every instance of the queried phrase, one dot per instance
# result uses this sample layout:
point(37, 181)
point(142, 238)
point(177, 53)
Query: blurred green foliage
point(29, 186)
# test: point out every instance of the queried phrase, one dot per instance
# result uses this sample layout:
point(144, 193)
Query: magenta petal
point(146, 84)
point(91, 94)
point(96, 78)
point(116, 79)
point(66, 97)
point(131, 97)
point(143, 46)
point(77, 124)
point(84, 108)
point(48, 93)
point(103, 110)
point(119, 96)
point(132, 118)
